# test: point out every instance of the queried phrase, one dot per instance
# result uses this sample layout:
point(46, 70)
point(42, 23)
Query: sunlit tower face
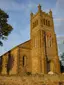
point(43, 42)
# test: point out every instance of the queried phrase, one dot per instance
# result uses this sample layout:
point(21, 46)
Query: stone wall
point(14, 55)
point(24, 65)
point(32, 80)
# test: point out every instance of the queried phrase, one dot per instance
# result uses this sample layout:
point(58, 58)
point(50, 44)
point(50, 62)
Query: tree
point(5, 28)
point(62, 62)
point(61, 67)
point(62, 56)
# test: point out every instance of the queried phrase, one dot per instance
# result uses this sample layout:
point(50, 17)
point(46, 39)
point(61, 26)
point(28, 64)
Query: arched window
point(24, 61)
point(50, 66)
point(44, 21)
point(48, 23)
point(10, 62)
point(60, 83)
point(35, 23)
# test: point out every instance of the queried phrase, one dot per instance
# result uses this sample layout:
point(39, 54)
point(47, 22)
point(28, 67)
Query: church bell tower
point(44, 54)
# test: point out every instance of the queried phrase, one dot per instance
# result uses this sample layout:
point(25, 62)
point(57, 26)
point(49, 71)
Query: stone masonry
point(36, 61)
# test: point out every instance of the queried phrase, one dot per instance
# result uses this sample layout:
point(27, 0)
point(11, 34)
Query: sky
point(19, 18)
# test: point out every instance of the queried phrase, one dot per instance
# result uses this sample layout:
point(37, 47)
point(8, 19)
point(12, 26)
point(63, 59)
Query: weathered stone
point(35, 58)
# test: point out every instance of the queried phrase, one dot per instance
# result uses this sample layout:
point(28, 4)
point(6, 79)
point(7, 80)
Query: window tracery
point(49, 40)
point(46, 22)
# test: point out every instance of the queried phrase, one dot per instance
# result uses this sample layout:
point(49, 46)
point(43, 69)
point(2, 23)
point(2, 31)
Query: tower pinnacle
point(50, 12)
point(39, 7)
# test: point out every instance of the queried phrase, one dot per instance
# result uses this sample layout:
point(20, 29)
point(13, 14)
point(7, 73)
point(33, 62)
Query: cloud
point(58, 15)
point(60, 4)
point(60, 39)
point(10, 5)
point(59, 9)
point(59, 19)
point(14, 39)
point(19, 18)
point(13, 5)
point(59, 28)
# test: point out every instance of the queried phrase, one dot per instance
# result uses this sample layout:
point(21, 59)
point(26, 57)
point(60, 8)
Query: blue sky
point(19, 17)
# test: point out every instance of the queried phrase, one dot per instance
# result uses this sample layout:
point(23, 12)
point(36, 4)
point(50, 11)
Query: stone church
point(39, 55)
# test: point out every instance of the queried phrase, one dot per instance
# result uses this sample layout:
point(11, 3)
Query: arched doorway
point(50, 66)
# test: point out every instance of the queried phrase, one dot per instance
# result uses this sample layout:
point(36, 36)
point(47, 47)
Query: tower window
point(44, 21)
point(48, 23)
point(41, 21)
point(35, 23)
